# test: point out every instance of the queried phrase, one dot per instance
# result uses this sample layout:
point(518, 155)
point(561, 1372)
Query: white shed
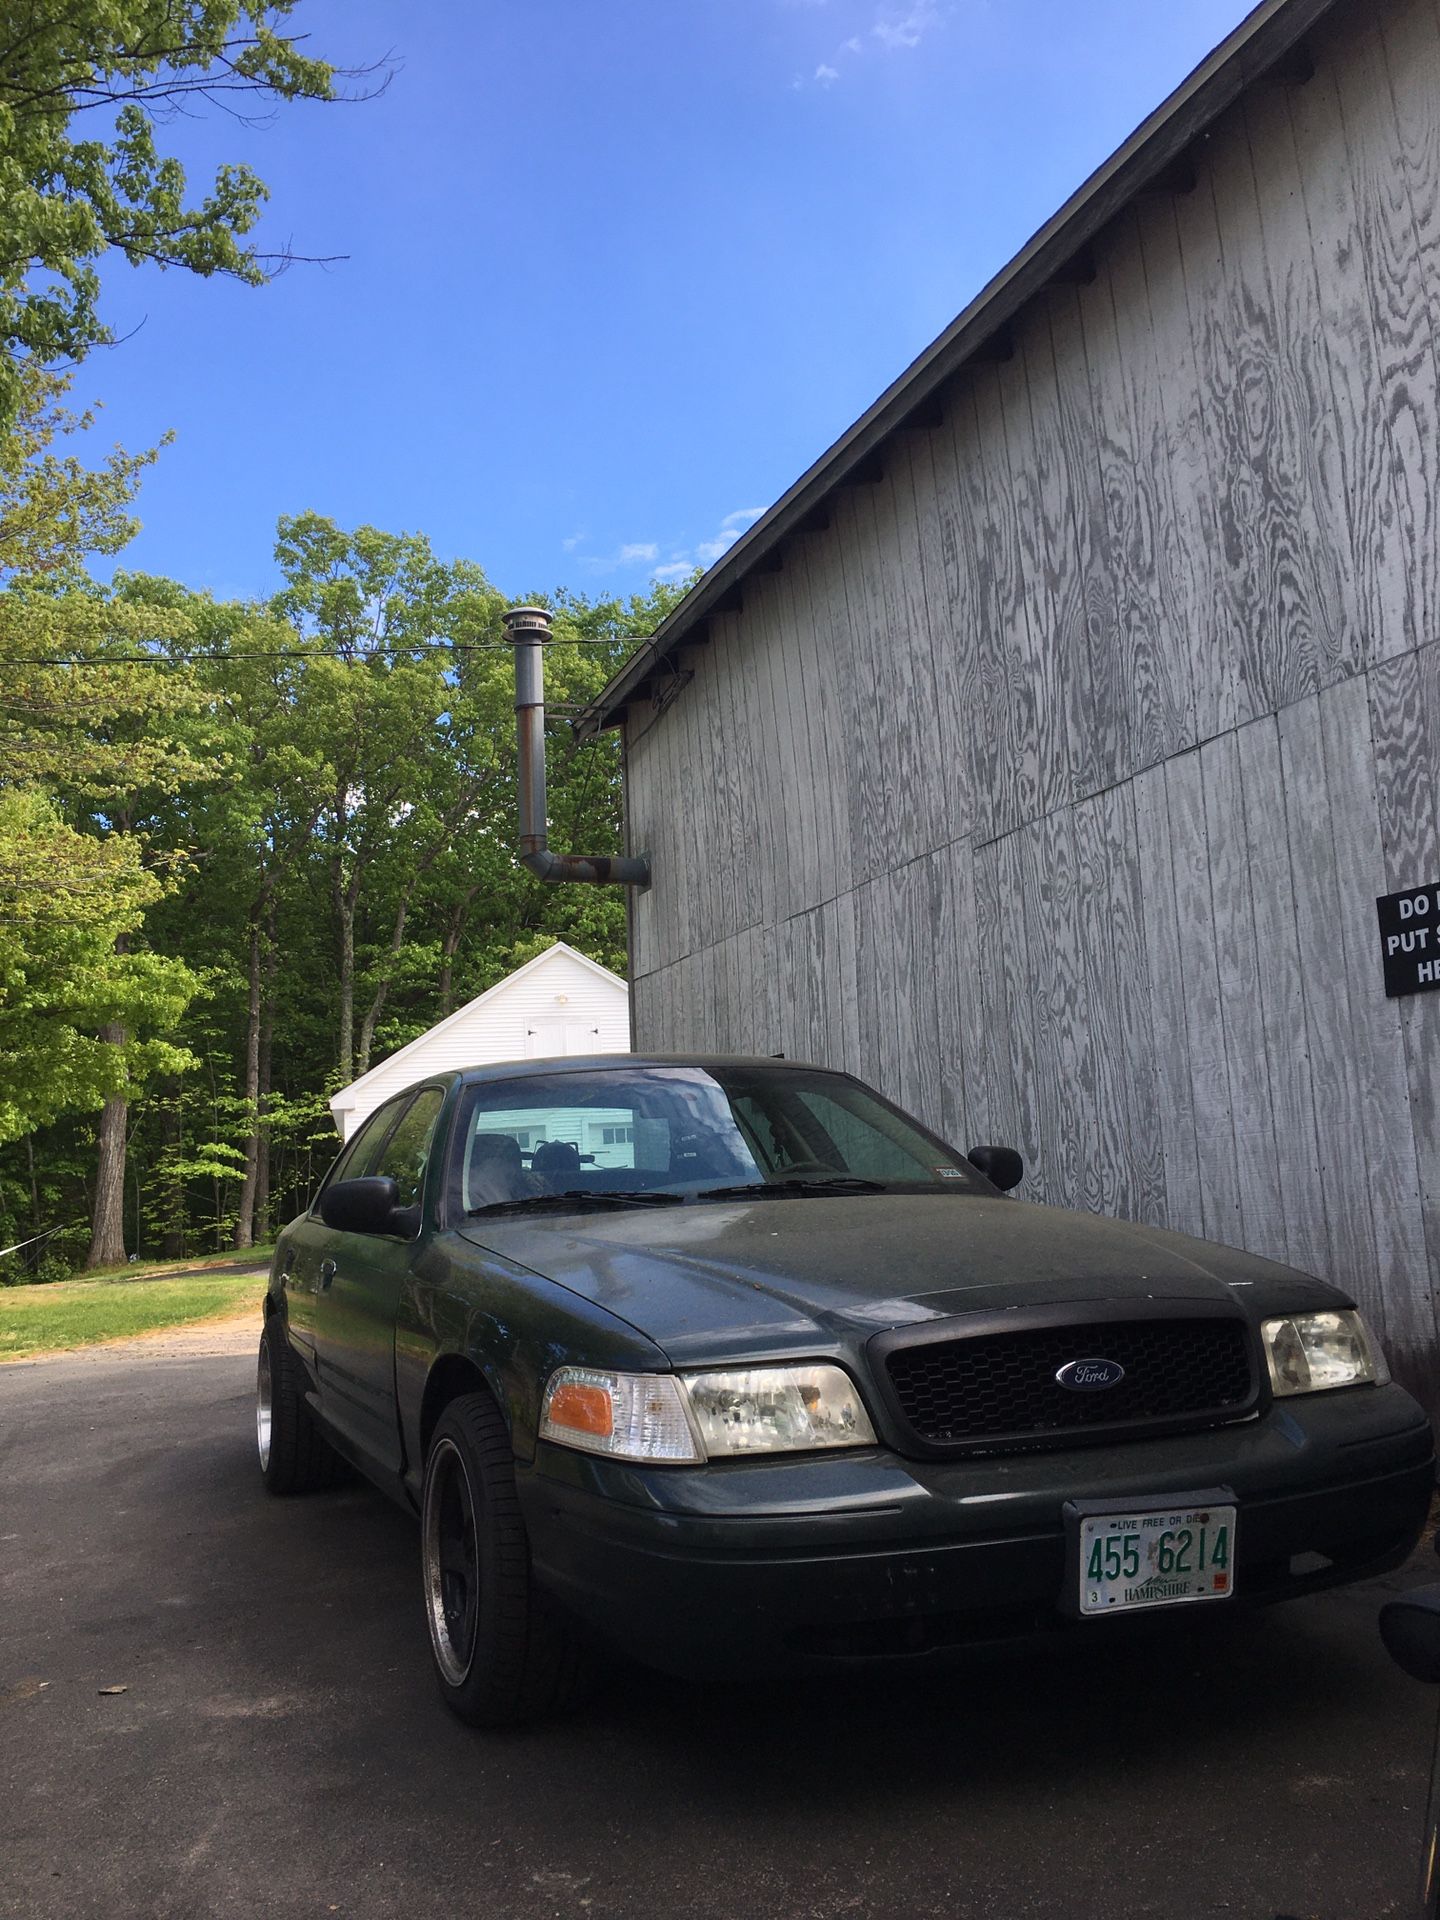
point(558, 1003)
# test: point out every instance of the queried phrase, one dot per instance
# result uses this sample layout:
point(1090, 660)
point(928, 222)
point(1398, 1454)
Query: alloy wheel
point(263, 1399)
point(451, 1562)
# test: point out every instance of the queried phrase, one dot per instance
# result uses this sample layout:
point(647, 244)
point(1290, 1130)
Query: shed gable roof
point(344, 1096)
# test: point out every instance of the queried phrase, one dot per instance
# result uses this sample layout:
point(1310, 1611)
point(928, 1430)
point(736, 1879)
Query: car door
point(355, 1321)
point(308, 1267)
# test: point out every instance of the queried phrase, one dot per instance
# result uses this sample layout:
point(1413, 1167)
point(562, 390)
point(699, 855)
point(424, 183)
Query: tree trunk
point(344, 898)
point(172, 1238)
point(35, 1252)
point(245, 1211)
point(107, 1223)
point(382, 992)
point(455, 927)
point(262, 1090)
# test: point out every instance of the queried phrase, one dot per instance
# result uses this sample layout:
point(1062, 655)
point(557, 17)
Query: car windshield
point(689, 1133)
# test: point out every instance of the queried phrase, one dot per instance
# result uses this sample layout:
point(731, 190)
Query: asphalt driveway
point(277, 1750)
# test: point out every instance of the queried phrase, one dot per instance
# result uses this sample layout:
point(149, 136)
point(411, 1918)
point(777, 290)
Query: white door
point(552, 1039)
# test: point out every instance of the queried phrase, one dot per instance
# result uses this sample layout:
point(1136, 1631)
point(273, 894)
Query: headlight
point(703, 1416)
point(778, 1410)
point(1308, 1352)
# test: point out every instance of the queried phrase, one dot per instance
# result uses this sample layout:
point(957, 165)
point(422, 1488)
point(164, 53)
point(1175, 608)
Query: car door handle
point(327, 1273)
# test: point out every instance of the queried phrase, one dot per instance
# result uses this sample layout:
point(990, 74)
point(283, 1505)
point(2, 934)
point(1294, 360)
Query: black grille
point(1000, 1388)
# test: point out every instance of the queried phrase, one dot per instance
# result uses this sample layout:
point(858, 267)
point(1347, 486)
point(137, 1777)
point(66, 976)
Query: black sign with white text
point(1410, 939)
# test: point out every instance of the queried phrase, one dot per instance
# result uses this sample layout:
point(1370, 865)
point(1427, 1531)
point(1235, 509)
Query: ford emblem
point(1088, 1376)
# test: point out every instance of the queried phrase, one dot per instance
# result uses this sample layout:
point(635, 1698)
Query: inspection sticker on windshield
point(949, 1173)
point(1155, 1557)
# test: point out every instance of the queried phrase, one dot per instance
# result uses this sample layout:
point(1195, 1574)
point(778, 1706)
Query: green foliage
point(273, 853)
point(66, 899)
point(66, 201)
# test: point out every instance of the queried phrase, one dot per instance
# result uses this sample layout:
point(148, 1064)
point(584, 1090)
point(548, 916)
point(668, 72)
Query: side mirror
point(1410, 1628)
point(361, 1206)
point(1001, 1166)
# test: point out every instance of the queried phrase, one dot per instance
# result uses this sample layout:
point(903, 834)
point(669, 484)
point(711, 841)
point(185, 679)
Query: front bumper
point(810, 1560)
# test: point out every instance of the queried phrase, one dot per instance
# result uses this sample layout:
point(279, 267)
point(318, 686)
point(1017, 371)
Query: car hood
point(730, 1278)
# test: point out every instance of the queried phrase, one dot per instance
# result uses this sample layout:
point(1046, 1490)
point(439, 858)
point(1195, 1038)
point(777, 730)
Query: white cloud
point(826, 76)
point(638, 550)
point(853, 45)
point(905, 27)
point(704, 553)
point(574, 540)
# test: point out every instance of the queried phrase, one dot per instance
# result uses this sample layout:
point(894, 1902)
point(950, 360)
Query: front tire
point(502, 1656)
point(295, 1457)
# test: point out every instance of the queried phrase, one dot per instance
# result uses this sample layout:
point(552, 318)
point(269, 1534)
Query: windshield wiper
point(841, 1183)
point(574, 1197)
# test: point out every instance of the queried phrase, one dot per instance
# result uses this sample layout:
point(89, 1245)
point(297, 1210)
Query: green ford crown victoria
point(731, 1364)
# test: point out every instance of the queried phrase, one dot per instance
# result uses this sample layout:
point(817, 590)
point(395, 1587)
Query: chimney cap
point(522, 622)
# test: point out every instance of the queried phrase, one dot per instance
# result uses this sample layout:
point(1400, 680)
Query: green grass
point(157, 1269)
point(77, 1313)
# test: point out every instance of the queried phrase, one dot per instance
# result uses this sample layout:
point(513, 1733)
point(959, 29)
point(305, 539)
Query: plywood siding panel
point(996, 971)
point(1384, 582)
point(1205, 1021)
point(1047, 630)
point(968, 509)
point(1016, 1036)
point(1168, 1020)
point(843, 1010)
point(1063, 1068)
point(812, 698)
point(1240, 1011)
point(1107, 1182)
point(1324, 595)
point(1293, 1152)
point(1007, 675)
point(1164, 719)
point(1411, 36)
point(1098, 698)
point(958, 1043)
point(1193, 542)
point(1129, 979)
point(947, 599)
point(1334, 1062)
point(853, 534)
point(925, 820)
point(1147, 700)
point(1406, 389)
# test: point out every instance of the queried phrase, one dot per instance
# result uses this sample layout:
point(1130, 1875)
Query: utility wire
point(291, 653)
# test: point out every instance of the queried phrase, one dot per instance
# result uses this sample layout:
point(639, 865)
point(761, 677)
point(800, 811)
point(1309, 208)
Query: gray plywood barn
point(1040, 756)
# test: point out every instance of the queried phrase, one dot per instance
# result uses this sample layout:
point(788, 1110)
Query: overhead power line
point(290, 653)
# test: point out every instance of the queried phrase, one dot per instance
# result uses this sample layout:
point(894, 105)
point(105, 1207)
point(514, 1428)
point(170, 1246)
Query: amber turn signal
point(580, 1408)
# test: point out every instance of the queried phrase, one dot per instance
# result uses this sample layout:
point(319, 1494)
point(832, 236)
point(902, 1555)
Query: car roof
point(587, 1062)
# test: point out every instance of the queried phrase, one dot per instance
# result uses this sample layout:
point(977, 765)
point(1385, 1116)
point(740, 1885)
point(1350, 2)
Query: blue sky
point(616, 271)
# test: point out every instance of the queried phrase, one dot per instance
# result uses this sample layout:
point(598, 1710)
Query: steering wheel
point(805, 1166)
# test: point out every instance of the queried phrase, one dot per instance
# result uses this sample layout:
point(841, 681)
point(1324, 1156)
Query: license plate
point(1155, 1557)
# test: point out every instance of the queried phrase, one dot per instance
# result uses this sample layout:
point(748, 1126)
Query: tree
point(85, 726)
point(66, 201)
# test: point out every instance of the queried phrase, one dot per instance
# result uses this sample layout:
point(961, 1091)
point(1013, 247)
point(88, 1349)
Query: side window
point(407, 1151)
point(357, 1156)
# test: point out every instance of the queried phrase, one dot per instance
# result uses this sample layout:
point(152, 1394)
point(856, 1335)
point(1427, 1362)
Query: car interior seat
point(494, 1170)
point(555, 1158)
